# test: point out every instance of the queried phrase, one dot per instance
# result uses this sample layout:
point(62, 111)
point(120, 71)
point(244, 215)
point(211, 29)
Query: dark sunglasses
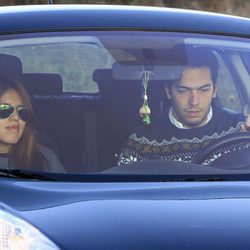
point(6, 110)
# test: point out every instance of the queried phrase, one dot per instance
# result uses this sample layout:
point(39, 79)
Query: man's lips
point(193, 113)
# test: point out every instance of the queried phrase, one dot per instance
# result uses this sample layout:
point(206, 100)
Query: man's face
point(191, 96)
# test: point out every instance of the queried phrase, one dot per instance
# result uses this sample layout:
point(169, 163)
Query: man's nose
point(194, 98)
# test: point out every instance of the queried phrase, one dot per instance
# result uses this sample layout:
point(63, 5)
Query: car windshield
point(132, 102)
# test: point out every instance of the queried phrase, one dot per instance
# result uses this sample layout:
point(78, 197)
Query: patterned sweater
point(162, 139)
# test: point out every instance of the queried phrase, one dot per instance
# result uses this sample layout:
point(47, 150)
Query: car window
point(246, 60)
point(73, 57)
point(89, 89)
point(227, 90)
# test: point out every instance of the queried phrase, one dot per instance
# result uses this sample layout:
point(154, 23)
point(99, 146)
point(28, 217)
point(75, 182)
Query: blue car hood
point(202, 215)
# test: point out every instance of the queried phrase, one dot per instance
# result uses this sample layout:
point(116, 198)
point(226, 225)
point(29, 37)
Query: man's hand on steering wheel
point(245, 126)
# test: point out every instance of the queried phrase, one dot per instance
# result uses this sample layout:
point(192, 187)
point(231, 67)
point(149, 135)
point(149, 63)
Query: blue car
point(100, 79)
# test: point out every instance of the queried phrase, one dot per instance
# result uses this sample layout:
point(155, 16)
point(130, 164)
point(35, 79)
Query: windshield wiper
point(204, 179)
point(221, 177)
point(109, 177)
point(26, 174)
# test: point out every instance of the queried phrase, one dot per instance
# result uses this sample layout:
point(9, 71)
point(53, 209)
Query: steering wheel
point(229, 143)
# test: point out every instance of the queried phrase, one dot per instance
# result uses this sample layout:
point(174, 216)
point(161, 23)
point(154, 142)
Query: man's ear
point(168, 92)
point(215, 90)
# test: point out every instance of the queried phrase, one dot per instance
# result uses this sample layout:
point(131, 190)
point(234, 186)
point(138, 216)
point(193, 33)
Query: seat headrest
point(101, 74)
point(10, 67)
point(42, 83)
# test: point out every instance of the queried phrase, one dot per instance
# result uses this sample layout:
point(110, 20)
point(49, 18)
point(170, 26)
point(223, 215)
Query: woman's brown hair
point(24, 154)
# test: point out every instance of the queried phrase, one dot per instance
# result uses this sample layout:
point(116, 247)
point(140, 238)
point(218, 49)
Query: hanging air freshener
point(145, 110)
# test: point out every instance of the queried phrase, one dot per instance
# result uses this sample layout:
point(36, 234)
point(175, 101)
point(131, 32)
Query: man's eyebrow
point(182, 85)
point(206, 85)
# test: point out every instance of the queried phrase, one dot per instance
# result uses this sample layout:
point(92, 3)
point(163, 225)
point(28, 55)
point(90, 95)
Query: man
point(193, 119)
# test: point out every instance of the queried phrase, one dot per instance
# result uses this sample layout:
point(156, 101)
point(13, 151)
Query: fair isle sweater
point(162, 139)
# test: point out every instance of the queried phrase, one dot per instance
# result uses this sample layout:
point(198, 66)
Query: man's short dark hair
point(203, 57)
point(197, 57)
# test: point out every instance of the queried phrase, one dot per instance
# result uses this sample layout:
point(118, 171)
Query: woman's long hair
point(24, 154)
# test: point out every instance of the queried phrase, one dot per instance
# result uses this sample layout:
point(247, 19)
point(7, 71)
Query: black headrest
point(10, 67)
point(110, 87)
point(42, 83)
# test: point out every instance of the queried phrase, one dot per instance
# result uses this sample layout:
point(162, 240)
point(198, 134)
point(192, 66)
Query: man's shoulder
point(157, 129)
point(226, 120)
point(223, 112)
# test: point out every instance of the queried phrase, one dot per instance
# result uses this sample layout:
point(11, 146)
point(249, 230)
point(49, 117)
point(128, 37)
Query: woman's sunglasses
point(6, 110)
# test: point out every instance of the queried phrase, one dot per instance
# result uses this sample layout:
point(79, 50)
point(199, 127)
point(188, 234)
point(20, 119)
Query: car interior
point(86, 131)
point(90, 128)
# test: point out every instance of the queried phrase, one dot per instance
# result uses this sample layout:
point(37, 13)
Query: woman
point(18, 148)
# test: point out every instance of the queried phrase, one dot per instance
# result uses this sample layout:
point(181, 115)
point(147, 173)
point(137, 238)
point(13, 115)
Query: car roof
point(67, 17)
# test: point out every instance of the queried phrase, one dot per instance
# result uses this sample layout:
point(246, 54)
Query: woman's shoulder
point(54, 165)
point(3, 160)
point(45, 150)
